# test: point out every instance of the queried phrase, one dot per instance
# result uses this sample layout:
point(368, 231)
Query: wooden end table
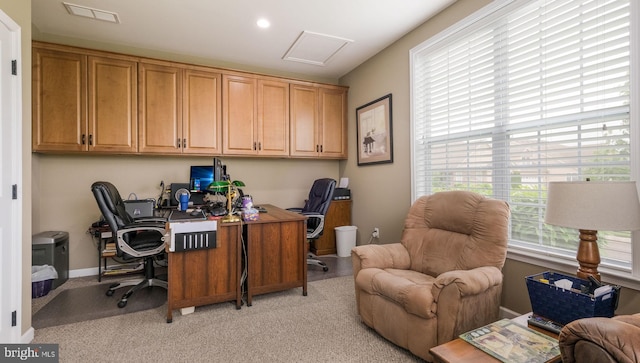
point(460, 351)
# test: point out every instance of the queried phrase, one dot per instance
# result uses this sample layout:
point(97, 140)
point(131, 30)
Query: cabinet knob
point(254, 146)
point(184, 143)
point(178, 143)
point(90, 139)
point(83, 142)
point(259, 146)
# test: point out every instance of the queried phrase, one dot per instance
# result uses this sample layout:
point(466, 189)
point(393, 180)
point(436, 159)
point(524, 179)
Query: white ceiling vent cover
point(91, 13)
point(315, 48)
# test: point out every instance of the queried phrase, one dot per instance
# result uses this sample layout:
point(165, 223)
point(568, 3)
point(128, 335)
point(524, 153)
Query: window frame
point(539, 256)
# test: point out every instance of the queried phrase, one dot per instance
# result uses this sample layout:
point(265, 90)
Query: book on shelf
point(508, 341)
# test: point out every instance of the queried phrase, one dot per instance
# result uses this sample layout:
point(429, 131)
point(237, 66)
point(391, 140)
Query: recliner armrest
point(619, 337)
point(393, 255)
point(468, 282)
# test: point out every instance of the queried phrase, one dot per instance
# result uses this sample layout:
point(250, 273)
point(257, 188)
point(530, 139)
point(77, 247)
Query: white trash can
point(345, 240)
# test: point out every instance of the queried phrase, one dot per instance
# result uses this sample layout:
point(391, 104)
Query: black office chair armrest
point(145, 225)
point(317, 220)
point(139, 227)
point(150, 219)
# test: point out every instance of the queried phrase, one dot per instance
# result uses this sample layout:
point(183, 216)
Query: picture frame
point(374, 132)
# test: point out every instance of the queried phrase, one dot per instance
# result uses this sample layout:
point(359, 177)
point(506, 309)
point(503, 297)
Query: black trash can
point(52, 248)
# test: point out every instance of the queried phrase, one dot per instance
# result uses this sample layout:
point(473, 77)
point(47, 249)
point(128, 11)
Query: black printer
point(341, 193)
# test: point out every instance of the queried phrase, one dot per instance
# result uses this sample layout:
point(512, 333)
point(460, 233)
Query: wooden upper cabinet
point(255, 119)
point(318, 121)
point(305, 139)
point(202, 112)
point(239, 115)
point(273, 118)
point(59, 101)
point(113, 105)
point(84, 103)
point(94, 101)
point(160, 113)
point(179, 109)
point(333, 122)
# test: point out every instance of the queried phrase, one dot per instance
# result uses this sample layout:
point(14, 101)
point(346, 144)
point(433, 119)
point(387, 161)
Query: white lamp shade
point(592, 205)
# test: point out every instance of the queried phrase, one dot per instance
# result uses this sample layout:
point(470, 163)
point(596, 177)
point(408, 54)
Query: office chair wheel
point(112, 289)
point(122, 303)
point(325, 268)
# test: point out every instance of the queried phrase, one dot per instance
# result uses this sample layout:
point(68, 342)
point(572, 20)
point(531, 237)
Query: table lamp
point(591, 206)
point(231, 189)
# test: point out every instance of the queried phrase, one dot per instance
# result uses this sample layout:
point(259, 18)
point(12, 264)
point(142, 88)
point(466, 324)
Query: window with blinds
point(535, 91)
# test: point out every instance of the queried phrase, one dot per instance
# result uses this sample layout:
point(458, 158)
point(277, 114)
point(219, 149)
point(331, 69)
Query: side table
point(460, 351)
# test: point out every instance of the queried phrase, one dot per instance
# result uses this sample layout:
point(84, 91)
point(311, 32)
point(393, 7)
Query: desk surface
point(276, 214)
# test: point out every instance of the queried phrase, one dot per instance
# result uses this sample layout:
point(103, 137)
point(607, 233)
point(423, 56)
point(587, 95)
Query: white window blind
point(534, 93)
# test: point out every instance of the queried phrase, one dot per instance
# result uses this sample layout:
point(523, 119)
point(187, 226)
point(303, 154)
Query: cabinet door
point(239, 115)
point(113, 101)
point(201, 118)
point(160, 108)
point(59, 101)
point(304, 120)
point(333, 123)
point(273, 118)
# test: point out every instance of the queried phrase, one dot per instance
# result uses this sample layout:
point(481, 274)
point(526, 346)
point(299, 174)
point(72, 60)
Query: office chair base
point(313, 261)
point(136, 285)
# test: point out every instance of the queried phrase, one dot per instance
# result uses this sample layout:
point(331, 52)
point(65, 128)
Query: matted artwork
point(373, 129)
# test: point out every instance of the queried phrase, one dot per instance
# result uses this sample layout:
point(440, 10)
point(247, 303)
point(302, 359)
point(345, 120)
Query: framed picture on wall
point(374, 133)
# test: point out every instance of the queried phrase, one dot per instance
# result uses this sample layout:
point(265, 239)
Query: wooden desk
point(207, 276)
point(276, 252)
point(460, 351)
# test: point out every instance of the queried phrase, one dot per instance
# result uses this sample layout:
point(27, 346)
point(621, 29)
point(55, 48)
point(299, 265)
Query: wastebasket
point(42, 279)
point(345, 240)
point(52, 248)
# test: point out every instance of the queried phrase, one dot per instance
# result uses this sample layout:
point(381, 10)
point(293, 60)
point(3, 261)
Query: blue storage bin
point(564, 306)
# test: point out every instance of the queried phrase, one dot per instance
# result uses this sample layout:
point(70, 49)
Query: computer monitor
point(200, 177)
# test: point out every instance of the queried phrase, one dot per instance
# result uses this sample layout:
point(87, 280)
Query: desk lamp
point(231, 189)
point(591, 206)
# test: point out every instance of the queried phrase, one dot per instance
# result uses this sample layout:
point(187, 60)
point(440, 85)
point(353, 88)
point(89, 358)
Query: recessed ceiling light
point(263, 23)
point(91, 13)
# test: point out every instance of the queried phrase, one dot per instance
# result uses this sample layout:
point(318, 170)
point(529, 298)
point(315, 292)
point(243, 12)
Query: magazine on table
point(514, 343)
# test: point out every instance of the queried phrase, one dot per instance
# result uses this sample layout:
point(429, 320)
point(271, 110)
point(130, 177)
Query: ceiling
point(334, 36)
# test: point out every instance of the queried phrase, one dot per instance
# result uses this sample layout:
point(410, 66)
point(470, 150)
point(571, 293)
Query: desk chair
point(134, 238)
point(315, 208)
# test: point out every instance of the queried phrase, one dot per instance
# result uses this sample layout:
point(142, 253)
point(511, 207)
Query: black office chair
point(134, 238)
point(315, 208)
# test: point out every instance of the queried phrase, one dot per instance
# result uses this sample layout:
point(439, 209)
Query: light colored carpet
point(278, 327)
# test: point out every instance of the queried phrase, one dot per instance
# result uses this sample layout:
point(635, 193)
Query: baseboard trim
point(508, 313)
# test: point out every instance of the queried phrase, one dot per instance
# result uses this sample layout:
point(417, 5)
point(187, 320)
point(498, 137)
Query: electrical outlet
point(376, 232)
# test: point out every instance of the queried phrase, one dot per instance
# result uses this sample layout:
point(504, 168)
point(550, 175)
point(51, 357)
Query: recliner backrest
point(320, 196)
point(456, 230)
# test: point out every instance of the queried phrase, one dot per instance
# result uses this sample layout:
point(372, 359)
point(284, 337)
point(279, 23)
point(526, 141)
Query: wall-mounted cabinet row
point(92, 101)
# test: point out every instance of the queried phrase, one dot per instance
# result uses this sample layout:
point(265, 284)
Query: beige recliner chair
point(601, 340)
point(442, 279)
